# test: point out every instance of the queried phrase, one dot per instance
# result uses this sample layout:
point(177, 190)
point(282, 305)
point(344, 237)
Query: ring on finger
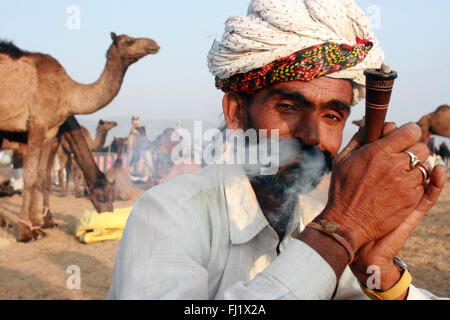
point(425, 171)
point(414, 162)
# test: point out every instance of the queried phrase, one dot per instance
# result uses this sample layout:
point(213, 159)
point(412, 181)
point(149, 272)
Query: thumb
point(355, 143)
point(432, 190)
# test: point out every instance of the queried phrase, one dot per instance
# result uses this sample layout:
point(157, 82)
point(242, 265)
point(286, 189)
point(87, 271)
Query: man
point(295, 66)
point(133, 148)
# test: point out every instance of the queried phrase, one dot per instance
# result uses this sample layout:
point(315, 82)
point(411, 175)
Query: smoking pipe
point(379, 84)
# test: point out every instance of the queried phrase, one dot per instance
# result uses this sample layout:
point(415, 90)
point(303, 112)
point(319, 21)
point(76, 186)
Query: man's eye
point(286, 106)
point(333, 117)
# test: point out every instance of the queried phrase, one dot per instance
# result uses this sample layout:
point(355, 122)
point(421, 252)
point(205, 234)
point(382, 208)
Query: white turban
point(275, 29)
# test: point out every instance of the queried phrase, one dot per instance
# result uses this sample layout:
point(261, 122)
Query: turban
point(285, 40)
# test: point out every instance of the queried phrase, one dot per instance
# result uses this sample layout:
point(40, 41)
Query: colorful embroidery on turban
point(306, 64)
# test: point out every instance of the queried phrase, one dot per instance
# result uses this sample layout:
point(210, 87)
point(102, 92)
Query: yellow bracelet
point(393, 293)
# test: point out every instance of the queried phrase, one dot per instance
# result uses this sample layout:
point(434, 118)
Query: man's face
point(313, 111)
point(310, 114)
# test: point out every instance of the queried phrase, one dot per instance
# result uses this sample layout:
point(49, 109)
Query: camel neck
point(100, 139)
point(72, 134)
point(88, 99)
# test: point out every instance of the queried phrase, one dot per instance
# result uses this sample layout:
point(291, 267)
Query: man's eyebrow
point(287, 94)
point(300, 98)
point(338, 104)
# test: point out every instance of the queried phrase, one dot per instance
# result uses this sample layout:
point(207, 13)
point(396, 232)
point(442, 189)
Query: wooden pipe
point(378, 94)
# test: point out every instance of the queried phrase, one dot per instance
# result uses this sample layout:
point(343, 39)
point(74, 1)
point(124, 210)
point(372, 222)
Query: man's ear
point(234, 109)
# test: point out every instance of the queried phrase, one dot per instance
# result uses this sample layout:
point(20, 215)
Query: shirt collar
point(246, 218)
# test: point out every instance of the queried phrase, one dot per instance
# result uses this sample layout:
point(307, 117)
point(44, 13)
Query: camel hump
point(9, 48)
point(443, 107)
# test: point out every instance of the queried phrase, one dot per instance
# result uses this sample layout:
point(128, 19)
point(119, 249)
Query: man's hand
point(373, 190)
point(377, 200)
point(382, 251)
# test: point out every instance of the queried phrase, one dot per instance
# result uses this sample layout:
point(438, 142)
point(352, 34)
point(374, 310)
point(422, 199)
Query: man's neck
point(275, 206)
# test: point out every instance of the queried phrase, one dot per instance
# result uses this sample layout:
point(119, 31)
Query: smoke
point(301, 168)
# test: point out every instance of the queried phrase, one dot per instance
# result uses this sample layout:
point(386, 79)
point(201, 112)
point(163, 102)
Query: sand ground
point(38, 269)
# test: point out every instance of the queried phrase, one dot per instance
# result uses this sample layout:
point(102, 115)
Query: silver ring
point(414, 160)
point(425, 172)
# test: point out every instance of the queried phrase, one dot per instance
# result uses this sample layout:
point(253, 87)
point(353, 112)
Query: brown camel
point(37, 96)
point(437, 123)
point(101, 191)
point(64, 154)
point(120, 176)
point(434, 123)
point(360, 122)
point(6, 190)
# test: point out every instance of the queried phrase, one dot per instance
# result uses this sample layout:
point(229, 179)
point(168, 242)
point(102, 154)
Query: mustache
point(306, 157)
point(299, 163)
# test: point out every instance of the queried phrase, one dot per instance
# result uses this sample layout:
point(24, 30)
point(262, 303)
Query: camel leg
point(78, 181)
point(47, 215)
point(28, 227)
point(41, 182)
point(63, 159)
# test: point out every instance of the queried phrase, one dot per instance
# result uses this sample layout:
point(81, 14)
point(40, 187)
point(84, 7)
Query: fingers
point(355, 143)
point(430, 197)
point(425, 168)
point(419, 172)
point(401, 138)
point(432, 190)
point(388, 128)
point(420, 150)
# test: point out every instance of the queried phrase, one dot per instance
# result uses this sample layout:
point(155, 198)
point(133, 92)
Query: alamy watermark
point(259, 149)
point(73, 21)
point(73, 282)
point(374, 15)
point(374, 280)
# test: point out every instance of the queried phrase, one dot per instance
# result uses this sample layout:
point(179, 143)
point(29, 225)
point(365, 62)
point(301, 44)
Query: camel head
point(424, 124)
point(132, 49)
point(102, 195)
point(106, 125)
point(119, 144)
point(359, 123)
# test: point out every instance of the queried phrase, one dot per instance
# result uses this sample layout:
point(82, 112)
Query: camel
point(360, 122)
point(37, 96)
point(6, 190)
point(100, 138)
point(436, 123)
point(100, 190)
point(120, 176)
point(102, 195)
point(64, 154)
point(155, 155)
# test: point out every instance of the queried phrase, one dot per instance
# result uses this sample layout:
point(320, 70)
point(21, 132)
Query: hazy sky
point(176, 83)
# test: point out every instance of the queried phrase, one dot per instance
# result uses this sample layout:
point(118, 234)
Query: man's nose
point(308, 131)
